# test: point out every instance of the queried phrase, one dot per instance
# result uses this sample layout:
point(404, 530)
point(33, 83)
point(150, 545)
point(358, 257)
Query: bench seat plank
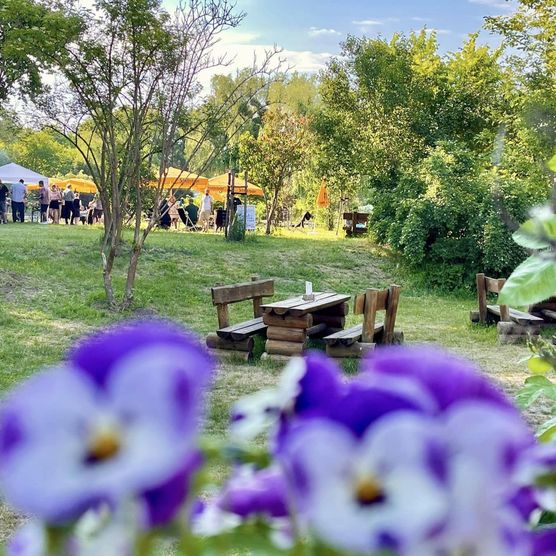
point(517, 316)
point(242, 330)
point(349, 335)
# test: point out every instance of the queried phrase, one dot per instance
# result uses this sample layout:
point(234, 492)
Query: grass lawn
point(51, 294)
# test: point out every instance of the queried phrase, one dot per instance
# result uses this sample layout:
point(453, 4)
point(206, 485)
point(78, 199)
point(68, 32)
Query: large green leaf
point(535, 387)
point(528, 236)
point(539, 365)
point(532, 281)
point(547, 430)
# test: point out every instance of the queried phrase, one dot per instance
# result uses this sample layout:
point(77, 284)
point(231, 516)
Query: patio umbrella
point(12, 173)
point(220, 184)
point(181, 179)
point(322, 199)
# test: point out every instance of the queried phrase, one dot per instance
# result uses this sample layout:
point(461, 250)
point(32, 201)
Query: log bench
point(357, 340)
point(513, 326)
point(237, 340)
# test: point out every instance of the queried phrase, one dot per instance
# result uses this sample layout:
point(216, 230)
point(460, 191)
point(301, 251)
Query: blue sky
point(310, 31)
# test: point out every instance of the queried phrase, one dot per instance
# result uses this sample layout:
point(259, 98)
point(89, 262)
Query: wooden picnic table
point(293, 321)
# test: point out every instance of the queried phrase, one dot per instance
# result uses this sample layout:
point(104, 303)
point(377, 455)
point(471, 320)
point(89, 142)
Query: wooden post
point(504, 309)
point(391, 312)
point(371, 301)
point(245, 208)
point(257, 301)
point(223, 315)
point(354, 223)
point(482, 297)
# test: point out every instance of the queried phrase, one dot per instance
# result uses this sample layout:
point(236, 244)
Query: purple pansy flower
point(413, 484)
point(29, 540)
point(545, 542)
point(308, 387)
point(443, 378)
point(369, 494)
point(251, 492)
point(70, 441)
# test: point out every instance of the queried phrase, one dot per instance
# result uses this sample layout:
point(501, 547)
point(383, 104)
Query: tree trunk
point(270, 215)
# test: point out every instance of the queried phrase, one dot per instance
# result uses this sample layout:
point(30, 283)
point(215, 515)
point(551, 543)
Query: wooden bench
point(513, 326)
point(355, 341)
point(351, 221)
point(238, 338)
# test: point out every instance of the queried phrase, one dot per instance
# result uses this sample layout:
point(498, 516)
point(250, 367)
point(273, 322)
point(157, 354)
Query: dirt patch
point(14, 285)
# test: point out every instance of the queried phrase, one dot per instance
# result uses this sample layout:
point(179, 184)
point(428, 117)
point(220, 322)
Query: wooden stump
point(306, 321)
point(214, 341)
point(356, 350)
point(513, 333)
point(283, 334)
point(474, 316)
point(278, 347)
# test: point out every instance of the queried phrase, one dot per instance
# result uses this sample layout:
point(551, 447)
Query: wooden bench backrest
point(373, 300)
point(360, 217)
point(487, 285)
point(222, 296)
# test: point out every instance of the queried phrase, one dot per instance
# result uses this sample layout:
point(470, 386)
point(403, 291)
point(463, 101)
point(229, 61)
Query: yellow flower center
point(368, 492)
point(104, 444)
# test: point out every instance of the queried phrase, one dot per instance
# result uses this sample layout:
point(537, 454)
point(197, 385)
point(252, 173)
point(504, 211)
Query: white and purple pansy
point(118, 424)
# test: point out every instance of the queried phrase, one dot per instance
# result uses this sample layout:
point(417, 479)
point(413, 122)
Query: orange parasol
point(181, 179)
point(322, 199)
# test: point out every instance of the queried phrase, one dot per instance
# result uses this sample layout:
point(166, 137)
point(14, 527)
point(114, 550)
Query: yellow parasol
point(322, 199)
point(220, 184)
point(181, 179)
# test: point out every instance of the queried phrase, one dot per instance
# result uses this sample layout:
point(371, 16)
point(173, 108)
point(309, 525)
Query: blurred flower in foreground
point(120, 420)
point(419, 455)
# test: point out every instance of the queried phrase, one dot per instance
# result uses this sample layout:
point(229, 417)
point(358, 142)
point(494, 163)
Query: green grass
point(51, 294)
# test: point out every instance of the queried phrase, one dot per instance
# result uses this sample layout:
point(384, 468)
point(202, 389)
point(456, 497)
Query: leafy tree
point(45, 153)
point(30, 34)
point(129, 102)
point(282, 148)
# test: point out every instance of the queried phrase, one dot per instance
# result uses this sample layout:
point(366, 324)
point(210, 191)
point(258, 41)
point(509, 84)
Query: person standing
point(97, 211)
point(44, 200)
point(55, 198)
point(3, 203)
point(206, 211)
point(19, 196)
point(67, 209)
point(76, 214)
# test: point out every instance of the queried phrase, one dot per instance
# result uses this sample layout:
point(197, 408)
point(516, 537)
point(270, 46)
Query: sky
point(310, 31)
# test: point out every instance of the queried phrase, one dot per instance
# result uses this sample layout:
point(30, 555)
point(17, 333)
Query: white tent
point(12, 173)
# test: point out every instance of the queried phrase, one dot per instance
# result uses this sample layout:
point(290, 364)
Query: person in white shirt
point(206, 211)
point(19, 196)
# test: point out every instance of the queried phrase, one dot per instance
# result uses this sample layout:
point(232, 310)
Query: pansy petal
point(449, 379)
point(99, 354)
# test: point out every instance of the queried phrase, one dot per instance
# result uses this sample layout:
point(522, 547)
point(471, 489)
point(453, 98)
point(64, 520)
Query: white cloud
point(234, 36)
point(318, 32)
point(368, 22)
point(438, 31)
point(498, 4)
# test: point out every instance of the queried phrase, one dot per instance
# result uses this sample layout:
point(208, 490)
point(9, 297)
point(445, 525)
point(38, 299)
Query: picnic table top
point(297, 306)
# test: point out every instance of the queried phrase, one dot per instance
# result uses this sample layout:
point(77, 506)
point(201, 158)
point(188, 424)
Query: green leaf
point(532, 281)
point(527, 236)
point(547, 430)
point(535, 387)
point(552, 163)
point(539, 366)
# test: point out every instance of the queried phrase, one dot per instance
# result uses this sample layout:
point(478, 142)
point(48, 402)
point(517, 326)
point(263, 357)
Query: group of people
point(54, 204)
point(172, 211)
